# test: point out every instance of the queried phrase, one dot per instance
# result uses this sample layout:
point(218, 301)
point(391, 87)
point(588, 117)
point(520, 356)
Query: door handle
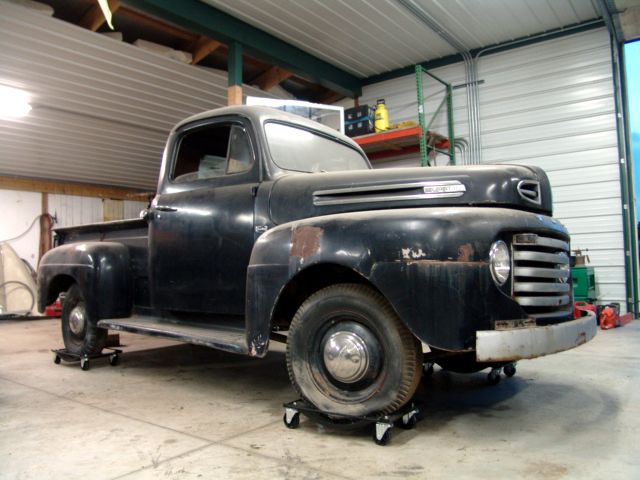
point(165, 208)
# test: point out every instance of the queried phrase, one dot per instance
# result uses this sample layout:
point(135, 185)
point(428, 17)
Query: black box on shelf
point(357, 128)
point(359, 120)
point(356, 113)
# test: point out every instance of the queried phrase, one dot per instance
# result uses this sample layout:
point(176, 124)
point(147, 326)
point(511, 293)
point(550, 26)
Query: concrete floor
point(177, 411)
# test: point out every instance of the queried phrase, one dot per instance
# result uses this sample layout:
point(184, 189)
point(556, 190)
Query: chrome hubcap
point(77, 320)
point(346, 356)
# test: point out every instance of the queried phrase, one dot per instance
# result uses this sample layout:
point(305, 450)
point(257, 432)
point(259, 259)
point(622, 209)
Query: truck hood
point(298, 196)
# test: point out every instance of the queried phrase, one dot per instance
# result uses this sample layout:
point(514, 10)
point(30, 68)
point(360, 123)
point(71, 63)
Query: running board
point(229, 338)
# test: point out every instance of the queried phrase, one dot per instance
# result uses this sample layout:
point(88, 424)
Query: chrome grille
point(541, 275)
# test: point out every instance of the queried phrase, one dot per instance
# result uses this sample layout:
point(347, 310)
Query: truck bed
point(132, 233)
point(119, 230)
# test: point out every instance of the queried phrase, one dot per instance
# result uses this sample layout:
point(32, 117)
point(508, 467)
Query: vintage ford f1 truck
point(266, 225)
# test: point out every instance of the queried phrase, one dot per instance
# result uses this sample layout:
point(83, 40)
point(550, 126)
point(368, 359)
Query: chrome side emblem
point(445, 188)
point(529, 190)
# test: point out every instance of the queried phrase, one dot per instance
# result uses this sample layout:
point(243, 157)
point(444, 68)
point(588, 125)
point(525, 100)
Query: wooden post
point(45, 228)
point(234, 95)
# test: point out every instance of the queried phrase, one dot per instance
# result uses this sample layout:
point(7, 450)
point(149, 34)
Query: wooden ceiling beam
point(150, 22)
point(202, 48)
point(272, 77)
point(69, 188)
point(329, 97)
point(94, 18)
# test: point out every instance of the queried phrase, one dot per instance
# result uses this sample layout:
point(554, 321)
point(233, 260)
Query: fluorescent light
point(13, 102)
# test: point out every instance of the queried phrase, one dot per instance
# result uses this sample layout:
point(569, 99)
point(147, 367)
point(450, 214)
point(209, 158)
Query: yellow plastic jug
point(381, 116)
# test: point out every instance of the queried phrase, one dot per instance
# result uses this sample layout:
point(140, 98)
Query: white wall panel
point(550, 105)
point(22, 208)
point(74, 210)
point(19, 210)
point(132, 209)
point(587, 208)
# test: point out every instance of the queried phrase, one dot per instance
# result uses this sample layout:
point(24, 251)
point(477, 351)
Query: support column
point(234, 67)
point(45, 227)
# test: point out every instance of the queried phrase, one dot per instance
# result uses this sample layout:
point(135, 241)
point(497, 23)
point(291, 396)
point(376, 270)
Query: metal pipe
point(418, 12)
point(625, 169)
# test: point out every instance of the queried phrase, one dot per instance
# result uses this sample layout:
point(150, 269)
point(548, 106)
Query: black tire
point(509, 370)
point(85, 339)
point(389, 371)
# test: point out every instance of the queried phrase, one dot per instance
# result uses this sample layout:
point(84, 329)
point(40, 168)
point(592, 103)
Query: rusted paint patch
point(465, 252)
point(511, 324)
point(305, 241)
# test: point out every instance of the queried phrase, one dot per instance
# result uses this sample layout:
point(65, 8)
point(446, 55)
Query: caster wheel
point(409, 423)
point(293, 422)
point(383, 439)
point(427, 369)
point(57, 360)
point(114, 359)
point(509, 370)
point(494, 377)
point(84, 364)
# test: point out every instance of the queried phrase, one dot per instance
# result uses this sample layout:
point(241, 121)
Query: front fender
point(430, 264)
point(101, 271)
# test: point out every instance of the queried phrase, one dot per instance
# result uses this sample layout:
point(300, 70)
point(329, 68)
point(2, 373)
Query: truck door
point(201, 222)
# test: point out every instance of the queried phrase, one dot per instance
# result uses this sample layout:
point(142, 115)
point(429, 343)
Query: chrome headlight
point(500, 262)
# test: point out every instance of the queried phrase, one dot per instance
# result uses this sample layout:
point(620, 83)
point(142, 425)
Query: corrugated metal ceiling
point(367, 37)
point(101, 108)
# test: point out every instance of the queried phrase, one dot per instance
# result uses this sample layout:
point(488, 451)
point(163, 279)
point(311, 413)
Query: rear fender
point(101, 271)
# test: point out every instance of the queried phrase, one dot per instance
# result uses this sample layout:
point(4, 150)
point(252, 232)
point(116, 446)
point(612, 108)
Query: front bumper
point(532, 342)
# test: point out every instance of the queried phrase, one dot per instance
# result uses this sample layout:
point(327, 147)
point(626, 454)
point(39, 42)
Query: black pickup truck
point(267, 226)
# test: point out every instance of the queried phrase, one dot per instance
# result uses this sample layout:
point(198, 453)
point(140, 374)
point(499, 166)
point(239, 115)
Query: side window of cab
point(212, 151)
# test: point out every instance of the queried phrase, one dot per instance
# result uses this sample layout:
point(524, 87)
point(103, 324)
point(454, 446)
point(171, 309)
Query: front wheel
point(80, 332)
point(349, 353)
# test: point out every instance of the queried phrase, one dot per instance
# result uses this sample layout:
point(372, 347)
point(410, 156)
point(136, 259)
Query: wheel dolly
point(84, 359)
point(406, 418)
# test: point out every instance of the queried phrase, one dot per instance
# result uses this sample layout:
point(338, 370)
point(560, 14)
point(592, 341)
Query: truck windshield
point(302, 150)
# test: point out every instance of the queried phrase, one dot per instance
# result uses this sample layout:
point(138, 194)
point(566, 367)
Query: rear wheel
point(80, 332)
point(349, 353)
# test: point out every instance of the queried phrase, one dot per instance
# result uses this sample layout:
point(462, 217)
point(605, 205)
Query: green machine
point(584, 284)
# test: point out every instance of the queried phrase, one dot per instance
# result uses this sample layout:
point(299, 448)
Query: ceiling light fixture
point(13, 102)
